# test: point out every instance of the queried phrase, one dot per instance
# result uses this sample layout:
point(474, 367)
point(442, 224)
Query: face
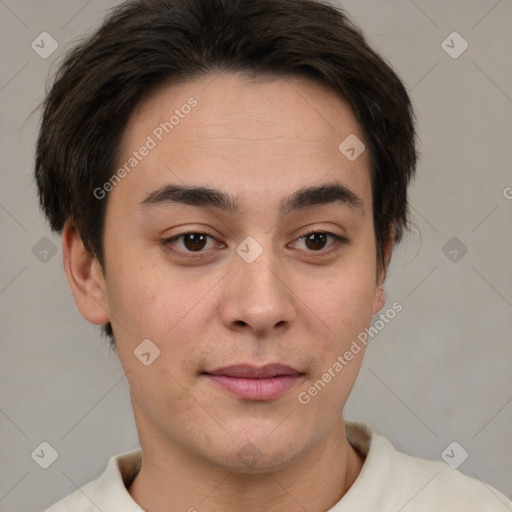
point(281, 279)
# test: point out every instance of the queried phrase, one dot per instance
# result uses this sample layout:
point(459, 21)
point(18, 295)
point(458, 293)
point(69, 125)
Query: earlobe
point(85, 277)
point(380, 294)
point(379, 300)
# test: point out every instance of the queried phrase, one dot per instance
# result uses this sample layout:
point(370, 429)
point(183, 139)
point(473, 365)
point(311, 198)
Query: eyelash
point(339, 240)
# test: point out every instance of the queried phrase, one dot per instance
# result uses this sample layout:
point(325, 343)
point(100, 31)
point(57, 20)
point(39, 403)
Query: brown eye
point(316, 241)
point(192, 242)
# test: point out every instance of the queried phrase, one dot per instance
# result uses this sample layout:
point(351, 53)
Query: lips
point(245, 371)
point(255, 383)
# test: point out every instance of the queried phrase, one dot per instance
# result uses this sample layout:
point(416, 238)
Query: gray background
point(439, 372)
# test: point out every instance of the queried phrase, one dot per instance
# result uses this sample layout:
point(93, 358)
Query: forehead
point(241, 135)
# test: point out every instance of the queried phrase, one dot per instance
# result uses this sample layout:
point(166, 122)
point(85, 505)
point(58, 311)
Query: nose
point(258, 296)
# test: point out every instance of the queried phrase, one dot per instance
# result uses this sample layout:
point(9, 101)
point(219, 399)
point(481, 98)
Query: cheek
point(345, 301)
point(159, 393)
point(133, 302)
point(165, 307)
point(143, 298)
point(345, 309)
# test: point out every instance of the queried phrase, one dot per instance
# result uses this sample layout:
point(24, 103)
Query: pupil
point(311, 238)
point(192, 240)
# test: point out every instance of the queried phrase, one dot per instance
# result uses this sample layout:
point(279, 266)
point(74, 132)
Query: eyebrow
point(207, 197)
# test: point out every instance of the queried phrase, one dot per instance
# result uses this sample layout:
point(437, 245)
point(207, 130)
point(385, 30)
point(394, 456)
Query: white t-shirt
point(390, 481)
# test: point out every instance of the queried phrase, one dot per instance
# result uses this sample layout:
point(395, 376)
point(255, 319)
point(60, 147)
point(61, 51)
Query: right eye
point(192, 242)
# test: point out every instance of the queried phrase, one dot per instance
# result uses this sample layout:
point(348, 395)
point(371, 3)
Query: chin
point(256, 454)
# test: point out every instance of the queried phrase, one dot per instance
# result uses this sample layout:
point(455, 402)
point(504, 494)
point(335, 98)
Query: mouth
point(253, 382)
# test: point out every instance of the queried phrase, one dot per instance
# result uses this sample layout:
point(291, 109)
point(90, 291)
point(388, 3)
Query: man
point(229, 179)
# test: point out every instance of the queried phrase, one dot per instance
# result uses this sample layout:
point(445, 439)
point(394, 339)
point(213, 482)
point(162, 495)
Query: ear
point(85, 277)
point(380, 295)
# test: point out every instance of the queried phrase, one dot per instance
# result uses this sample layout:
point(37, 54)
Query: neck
point(172, 478)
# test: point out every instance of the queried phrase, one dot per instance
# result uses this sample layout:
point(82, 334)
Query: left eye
point(319, 238)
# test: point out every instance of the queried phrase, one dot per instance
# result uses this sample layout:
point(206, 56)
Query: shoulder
point(440, 487)
point(395, 480)
point(78, 501)
point(107, 493)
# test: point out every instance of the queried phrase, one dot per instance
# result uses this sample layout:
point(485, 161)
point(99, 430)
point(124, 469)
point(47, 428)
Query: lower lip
point(256, 389)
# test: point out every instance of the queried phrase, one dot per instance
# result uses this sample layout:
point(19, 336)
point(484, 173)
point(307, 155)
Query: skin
point(297, 303)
